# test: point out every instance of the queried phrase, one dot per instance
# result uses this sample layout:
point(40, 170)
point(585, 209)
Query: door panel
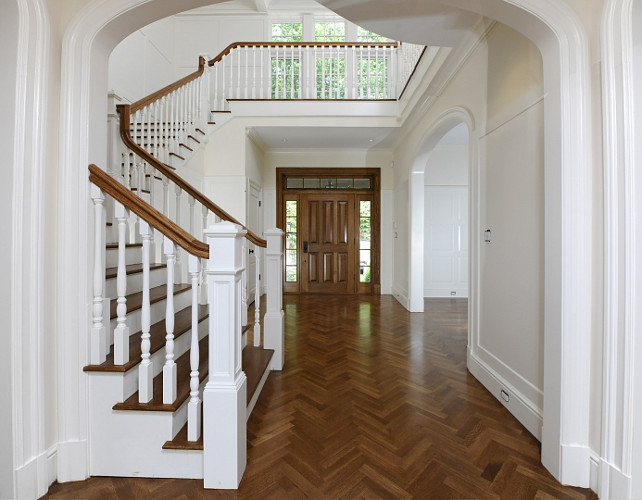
point(327, 225)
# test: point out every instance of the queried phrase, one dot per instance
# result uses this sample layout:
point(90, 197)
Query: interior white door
point(446, 241)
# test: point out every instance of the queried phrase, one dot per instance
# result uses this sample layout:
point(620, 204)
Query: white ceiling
point(326, 137)
point(424, 22)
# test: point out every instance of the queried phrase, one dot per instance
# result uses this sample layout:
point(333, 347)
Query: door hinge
point(259, 203)
point(259, 277)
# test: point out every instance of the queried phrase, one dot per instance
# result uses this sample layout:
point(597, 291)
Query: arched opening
point(565, 452)
point(446, 216)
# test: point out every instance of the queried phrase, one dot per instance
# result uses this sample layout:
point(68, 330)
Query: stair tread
point(156, 294)
point(182, 384)
point(176, 155)
point(127, 245)
point(194, 138)
point(182, 324)
point(112, 272)
point(255, 362)
point(185, 146)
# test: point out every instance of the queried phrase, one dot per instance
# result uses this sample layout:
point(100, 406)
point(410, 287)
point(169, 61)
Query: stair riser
point(133, 255)
point(129, 443)
point(181, 346)
point(157, 312)
point(157, 277)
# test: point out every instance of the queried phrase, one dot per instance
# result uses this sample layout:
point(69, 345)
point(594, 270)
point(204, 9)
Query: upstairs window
point(364, 35)
point(287, 32)
point(330, 31)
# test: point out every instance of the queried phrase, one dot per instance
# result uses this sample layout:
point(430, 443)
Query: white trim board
point(519, 405)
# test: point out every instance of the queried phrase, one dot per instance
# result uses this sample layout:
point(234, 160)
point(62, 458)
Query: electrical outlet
point(505, 396)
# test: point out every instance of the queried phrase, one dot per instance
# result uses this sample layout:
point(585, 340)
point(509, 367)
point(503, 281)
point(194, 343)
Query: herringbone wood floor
point(374, 402)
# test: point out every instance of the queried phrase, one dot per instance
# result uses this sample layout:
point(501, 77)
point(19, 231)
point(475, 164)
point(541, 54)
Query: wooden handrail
point(235, 45)
point(148, 213)
point(124, 110)
point(146, 101)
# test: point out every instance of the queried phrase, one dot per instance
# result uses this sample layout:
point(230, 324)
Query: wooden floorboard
point(373, 402)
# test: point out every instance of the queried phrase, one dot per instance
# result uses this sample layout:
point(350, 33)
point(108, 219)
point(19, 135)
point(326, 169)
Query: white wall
point(500, 85)
point(447, 165)
point(144, 61)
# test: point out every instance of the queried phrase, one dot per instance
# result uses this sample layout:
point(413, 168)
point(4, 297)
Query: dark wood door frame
point(372, 194)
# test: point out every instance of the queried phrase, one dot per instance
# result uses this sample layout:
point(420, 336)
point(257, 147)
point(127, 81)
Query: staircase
point(150, 439)
point(172, 377)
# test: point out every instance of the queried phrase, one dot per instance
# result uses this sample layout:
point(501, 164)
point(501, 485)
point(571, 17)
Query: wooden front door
point(327, 233)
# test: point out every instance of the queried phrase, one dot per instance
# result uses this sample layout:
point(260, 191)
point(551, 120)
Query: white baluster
point(169, 369)
point(216, 101)
point(257, 296)
point(277, 73)
point(322, 72)
point(194, 405)
point(253, 71)
point(121, 333)
point(192, 206)
point(360, 83)
point(204, 263)
point(238, 73)
point(300, 89)
point(368, 80)
point(99, 338)
point(292, 72)
point(178, 274)
point(378, 89)
point(145, 368)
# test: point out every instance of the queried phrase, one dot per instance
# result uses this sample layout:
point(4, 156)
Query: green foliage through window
point(291, 241)
point(287, 32)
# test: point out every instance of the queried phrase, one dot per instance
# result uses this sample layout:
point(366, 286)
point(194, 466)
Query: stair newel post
point(169, 369)
point(194, 405)
point(99, 338)
point(273, 334)
point(121, 332)
point(145, 368)
point(244, 278)
point(178, 273)
point(257, 296)
point(204, 295)
point(224, 397)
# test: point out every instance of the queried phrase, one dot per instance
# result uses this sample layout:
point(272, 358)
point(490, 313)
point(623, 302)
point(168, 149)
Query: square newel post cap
point(274, 238)
point(225, 240)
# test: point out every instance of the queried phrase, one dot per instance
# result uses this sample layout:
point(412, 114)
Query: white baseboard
point(613, 483)
point(521, 407)
point(575, 465)
point(401, 296)
point(33, 479)
point(595, 472)
point(437, 293)
point(72, 463)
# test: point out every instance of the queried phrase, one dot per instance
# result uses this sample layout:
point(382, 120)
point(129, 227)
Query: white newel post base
point(273, 332)
point(224, 396)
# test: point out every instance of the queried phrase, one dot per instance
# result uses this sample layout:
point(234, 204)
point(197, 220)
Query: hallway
point(374, 402)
